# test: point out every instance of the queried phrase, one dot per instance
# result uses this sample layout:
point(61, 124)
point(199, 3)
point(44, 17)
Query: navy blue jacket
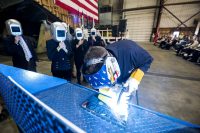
point(130, 57)
point(17, 53)
point(60, 60)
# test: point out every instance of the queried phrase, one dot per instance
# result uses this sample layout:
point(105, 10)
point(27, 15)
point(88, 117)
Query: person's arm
point(143, 61)
point(11, 45)
point(69, 48)
point(52, 51)
point(79, 43)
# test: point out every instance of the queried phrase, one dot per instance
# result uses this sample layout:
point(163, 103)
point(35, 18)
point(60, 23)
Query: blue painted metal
point(31, 115)
point(33, 82)
point(69, 98)
point(66, 99)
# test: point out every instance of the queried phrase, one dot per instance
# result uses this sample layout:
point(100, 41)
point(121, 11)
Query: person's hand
point(93, 38)
point(62, 45)
point(131, 84)
point(17, 38)
point(80, 43)
point(110, 96)
point(117, 100)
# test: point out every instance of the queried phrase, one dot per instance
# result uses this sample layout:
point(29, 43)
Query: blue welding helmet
point(106, 76)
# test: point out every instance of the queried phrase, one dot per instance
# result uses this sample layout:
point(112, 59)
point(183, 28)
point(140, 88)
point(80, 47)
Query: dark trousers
point(179, 50)
point(65, 74)
point(195, 56)
point(31, 65)
point(78, 72)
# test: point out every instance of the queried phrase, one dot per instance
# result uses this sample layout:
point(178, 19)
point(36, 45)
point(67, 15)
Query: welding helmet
point(79, 33)
point(58, 31)
point(93, 32)
point(104, 77)
point(65, 25)
point(13, 27)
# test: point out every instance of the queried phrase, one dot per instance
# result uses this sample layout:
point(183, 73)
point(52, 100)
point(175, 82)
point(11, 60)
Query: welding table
point(66, 99)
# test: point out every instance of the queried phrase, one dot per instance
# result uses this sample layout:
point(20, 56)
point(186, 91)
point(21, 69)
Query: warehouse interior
point(167, 29)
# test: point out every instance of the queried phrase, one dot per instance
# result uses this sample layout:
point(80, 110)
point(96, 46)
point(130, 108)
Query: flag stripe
point(89, 6)
point(91, 2)
point(75, 8)
point(79, 6)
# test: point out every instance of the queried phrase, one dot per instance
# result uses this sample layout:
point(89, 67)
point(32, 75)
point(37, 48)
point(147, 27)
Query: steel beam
point(152, 7)
point(159, 14)
point(182, 3)
point(174, 16)
point(189, 18)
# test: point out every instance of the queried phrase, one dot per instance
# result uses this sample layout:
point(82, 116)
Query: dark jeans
point(65, 74)
point(179, 50)
point(195, 56)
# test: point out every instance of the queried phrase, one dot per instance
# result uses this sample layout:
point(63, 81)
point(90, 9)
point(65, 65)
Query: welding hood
point(58, 31)
point(13, 27)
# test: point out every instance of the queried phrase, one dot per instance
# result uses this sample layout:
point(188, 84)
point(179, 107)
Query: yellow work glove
point(133, 81)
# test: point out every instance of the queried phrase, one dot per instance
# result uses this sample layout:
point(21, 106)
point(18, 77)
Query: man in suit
point(59, 51)
point(21, 48)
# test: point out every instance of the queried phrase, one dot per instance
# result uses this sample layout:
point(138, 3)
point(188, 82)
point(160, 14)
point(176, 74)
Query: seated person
point(187, 50)
point(195, 55)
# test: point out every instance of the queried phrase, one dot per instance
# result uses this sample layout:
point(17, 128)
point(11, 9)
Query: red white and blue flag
point(87, 7)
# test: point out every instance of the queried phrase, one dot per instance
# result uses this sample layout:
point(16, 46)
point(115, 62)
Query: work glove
point(133, 81)
point(117, 100)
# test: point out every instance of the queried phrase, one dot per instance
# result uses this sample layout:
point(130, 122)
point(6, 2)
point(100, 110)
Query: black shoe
point(4, 115)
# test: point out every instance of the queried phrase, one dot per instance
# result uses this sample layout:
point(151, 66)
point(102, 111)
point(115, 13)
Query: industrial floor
point(172, 86)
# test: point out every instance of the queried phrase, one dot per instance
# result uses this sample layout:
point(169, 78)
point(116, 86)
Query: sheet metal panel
point(33, 82)
point(66, 99)
point(69, 98)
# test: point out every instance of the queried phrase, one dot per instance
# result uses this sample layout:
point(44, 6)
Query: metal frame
point(151, 7)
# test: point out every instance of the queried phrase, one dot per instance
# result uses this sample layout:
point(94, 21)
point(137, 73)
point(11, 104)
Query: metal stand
point(137, 100)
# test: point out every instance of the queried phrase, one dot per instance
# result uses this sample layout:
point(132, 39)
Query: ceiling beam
point(152, 7)
point(182, 3)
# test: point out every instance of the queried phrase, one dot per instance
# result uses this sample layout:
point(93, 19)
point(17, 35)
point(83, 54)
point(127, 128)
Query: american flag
point(87, 7)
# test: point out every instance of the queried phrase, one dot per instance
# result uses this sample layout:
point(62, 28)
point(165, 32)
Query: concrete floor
point(172, 86)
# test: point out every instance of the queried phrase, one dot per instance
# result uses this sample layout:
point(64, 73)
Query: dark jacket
point(130, 57)
point(79, 52)
point(98, 42)
point(60, 59)
point(17, 53)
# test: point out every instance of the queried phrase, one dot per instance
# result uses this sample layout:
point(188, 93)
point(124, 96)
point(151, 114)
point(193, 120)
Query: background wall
point(139, 22)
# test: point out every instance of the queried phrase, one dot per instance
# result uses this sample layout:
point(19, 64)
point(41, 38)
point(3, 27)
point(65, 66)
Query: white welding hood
point(13, 27)
point(93, 32)
point(79, 33)
point(58, 31)
point(66, 26)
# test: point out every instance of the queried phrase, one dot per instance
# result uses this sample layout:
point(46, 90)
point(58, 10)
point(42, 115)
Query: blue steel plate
point(67, 100)
point(33, 82)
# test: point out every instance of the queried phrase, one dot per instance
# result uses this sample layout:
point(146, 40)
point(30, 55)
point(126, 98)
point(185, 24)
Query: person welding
point(116, 71)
